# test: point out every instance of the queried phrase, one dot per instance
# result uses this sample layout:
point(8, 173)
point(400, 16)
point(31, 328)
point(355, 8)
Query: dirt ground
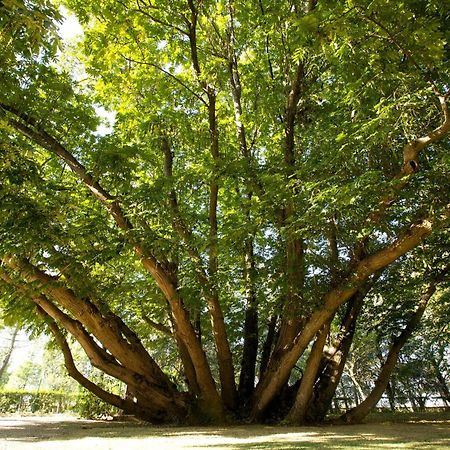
point(68, 433)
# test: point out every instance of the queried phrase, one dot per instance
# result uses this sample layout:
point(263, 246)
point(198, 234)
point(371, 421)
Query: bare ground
point(69, 433)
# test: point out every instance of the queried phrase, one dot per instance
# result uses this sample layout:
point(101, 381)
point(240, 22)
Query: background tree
point(6, 350)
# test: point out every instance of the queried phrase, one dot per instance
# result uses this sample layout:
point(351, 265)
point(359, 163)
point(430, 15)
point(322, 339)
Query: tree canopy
point(272, 169)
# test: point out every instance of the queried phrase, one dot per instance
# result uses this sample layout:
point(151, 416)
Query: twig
point(166, 72)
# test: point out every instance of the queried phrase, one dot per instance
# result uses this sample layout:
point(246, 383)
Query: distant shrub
point(45, 402)
point(84, 404)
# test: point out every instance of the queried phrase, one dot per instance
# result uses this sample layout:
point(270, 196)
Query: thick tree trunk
point(358, 413)
point(209, 289)
point(292, 319)
point(298, 411)
point(117, 358)
point(125, 404)
point(250, 347)
point(158, 401)
point(130, 354)
point(183, 327)
point(333, 361)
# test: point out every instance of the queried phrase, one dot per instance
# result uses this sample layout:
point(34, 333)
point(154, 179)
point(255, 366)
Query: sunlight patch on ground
point(68, 433)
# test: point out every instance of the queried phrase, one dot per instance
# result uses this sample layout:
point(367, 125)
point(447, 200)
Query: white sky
point(24, 349)
point(70, 28)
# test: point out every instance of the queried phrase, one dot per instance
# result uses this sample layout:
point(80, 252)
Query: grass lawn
point(385, 431)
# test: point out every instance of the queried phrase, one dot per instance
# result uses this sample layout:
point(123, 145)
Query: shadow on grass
point(372, 435)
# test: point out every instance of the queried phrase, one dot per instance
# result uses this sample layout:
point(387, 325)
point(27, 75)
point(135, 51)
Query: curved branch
point(115, 400)
point(133, 356)
point(277, 374)
point(98, 356)
point(163, 279)
point(154, 394)
point(413, 148)
point(32, 129)
point(157, 325)
point(410, 166)
point(357, 414)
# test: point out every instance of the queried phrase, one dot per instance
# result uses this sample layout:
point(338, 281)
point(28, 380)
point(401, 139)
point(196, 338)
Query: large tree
point(269, 161)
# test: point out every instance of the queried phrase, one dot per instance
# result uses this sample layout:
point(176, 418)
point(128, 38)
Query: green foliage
point(28, 376)
point(89, 406)
point(370, 71)
point(42, 402)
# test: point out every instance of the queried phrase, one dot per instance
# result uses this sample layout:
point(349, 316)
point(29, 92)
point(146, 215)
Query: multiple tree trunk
point(115, 349)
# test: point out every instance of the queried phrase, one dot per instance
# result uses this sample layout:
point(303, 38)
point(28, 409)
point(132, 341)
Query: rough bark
point(125, 404)
point(159, 401)
point(131, 355)
point(156, 399)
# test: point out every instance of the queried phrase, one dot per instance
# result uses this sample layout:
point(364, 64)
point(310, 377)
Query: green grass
point(422, 431)
point(435, 416)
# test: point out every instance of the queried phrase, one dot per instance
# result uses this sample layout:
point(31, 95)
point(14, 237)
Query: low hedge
point(30, 402)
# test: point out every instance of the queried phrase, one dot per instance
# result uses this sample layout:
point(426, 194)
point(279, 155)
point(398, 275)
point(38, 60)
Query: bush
point(89, 406)
point(31, 402)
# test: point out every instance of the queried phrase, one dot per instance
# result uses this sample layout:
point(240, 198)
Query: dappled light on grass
point(269, 176)
point(66, 432)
